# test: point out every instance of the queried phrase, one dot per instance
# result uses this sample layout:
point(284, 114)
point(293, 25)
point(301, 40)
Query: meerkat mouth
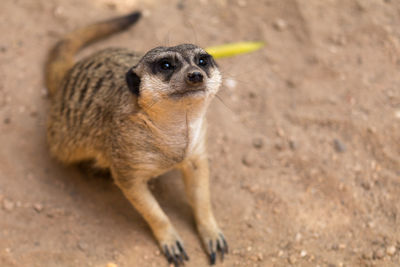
point(188, 92)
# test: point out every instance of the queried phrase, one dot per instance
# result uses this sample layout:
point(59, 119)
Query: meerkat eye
point(165, 64)
point(203, 61)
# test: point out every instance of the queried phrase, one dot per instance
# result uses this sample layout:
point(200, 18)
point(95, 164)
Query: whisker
point(250, 68)
point(166, 41)
point(245, 82)
point(193, 30)
point(220, 99)
point(152, 104)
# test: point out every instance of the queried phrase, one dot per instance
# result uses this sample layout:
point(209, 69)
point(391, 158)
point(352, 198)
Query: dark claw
point(175, 261)
point(180, 258)
point(225, 244)
point(167, 254)
point(212, 253)
point(182, 250)
point(219, 248)
point(213, 258)
point(177, 256)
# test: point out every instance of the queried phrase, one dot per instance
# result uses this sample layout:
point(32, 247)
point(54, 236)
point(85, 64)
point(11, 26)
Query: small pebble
point(292, 259)
point(111, 5)
point(292, 145)
point(279, 146)
point(339, 146)
point(280, 24)
point(379, 254)
point(339, 40)
point(260, 257)
point(230, 83)
point(391, 250)
point(371, 224)
point(280, 132)
point(335, 247)
point(110, 264)
point(55, 213)
point(366, 185)
point(298, 237)
point(252, 94)
point(371, 129)
point(59, 12)
point(303, 253)
point(291, 83)
point(248, 160)
point(257, 143)
point(8, 205)
point(33, 113)
point(82, 246)
point(38, 207)
point(397, 114)
point(180, 5)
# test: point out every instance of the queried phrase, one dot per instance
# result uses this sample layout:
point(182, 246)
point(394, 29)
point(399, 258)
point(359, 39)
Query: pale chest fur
point(184, 139)
point(196, 133)
point(168, 142)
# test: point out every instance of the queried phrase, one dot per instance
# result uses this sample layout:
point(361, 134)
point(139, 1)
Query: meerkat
point(139, 115)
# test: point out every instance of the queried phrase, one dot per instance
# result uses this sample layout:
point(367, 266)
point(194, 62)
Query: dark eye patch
point(205, 61)
point(165, 66)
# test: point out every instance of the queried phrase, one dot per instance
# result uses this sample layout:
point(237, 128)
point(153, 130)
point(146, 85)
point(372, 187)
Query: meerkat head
point(185, 73)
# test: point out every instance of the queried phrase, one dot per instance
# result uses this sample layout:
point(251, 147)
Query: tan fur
point(95, 115)
point(61, 57)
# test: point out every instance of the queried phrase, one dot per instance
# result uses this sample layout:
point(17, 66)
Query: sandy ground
point(304, 146)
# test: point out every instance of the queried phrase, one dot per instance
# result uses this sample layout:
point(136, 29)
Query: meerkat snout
point(194, 77)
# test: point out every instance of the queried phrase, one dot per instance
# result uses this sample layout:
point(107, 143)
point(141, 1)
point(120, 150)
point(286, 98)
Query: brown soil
point(304, 150)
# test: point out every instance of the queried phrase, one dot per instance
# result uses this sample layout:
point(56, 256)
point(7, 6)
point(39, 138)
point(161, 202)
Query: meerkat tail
point(61, 57)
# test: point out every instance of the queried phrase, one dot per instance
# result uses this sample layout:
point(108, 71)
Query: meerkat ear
point(133, 81)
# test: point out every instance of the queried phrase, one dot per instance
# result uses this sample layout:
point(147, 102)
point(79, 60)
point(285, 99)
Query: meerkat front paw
point(172, 246)
point(213, 241)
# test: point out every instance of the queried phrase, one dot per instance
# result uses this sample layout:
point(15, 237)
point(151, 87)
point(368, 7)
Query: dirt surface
point(304, 143)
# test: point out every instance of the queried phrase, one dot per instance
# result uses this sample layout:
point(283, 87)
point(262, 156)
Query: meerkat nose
point(195, 77)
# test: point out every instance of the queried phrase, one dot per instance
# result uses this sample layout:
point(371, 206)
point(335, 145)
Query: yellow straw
point(229, 50)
